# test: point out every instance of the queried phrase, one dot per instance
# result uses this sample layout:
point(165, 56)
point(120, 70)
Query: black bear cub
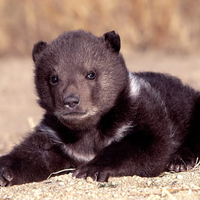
point(101, 119)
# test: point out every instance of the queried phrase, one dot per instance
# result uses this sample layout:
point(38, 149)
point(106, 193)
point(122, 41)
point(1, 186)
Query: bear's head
point(79, 76)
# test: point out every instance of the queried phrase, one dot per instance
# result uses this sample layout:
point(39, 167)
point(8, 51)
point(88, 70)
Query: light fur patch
point(121, 133)
point(136, 84)
point(80, 156)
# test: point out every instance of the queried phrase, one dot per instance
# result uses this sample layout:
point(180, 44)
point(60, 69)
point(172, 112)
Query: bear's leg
point(33, 160)
point(138, 154)
point(188, 153)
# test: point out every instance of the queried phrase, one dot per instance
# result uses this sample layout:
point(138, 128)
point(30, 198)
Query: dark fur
point(101, 119)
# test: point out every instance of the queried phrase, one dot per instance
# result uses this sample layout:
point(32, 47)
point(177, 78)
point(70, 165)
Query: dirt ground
point(19, 113)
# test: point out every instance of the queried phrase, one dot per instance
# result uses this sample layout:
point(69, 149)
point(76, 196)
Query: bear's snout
point(71, 101)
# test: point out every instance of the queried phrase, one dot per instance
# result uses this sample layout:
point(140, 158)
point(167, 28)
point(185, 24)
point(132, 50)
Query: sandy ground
point(19, 112)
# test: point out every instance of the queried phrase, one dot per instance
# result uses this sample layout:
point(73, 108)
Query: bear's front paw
point(180, 165)
point(6, 176)
point(97, 173)
point(183, 160)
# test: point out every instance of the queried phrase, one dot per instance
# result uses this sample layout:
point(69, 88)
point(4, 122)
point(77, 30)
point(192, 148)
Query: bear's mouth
point(74, 114)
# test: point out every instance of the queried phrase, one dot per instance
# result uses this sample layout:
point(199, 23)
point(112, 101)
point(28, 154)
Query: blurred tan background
point(173, 25)
point(156, 35)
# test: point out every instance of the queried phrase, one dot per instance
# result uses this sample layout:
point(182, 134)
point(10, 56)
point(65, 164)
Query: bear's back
point(179, 100)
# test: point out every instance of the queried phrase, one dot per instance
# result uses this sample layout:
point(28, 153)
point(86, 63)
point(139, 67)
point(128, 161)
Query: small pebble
point(61, 184)
point(179, 176)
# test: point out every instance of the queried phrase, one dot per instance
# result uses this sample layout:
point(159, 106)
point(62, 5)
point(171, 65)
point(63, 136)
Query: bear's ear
point(112, 40)
point(37, 49)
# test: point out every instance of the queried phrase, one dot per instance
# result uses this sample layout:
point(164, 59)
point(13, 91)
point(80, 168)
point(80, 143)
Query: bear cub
point(101, 119)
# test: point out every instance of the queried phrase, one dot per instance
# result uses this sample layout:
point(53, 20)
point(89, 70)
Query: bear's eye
point(91, 75)
point(53, 79)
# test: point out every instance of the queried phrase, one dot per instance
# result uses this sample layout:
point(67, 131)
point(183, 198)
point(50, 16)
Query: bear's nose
point(71, 101)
